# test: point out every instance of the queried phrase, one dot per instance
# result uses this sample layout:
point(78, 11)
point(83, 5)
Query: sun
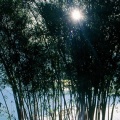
point(77, 15)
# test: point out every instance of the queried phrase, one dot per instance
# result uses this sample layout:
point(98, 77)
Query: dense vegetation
point(43, 52)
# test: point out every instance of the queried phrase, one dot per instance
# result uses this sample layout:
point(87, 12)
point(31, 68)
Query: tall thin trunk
point(9, 116)
point(114, 99)
point(108, 107)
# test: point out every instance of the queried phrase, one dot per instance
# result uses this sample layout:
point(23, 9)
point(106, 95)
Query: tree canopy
point(40, 47)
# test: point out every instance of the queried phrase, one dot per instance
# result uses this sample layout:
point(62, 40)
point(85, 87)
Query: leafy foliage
point(40, 46)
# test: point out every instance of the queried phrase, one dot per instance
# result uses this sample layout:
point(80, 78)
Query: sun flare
point(77, 15)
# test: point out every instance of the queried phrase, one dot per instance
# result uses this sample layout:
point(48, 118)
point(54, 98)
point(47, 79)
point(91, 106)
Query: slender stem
point(6, 104)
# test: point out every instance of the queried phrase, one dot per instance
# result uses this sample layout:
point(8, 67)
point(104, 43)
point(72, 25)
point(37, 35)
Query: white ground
point(10, 102)
point(116, 114)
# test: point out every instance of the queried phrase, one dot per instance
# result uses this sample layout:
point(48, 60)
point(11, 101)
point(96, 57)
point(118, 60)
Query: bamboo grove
point(58, 69)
